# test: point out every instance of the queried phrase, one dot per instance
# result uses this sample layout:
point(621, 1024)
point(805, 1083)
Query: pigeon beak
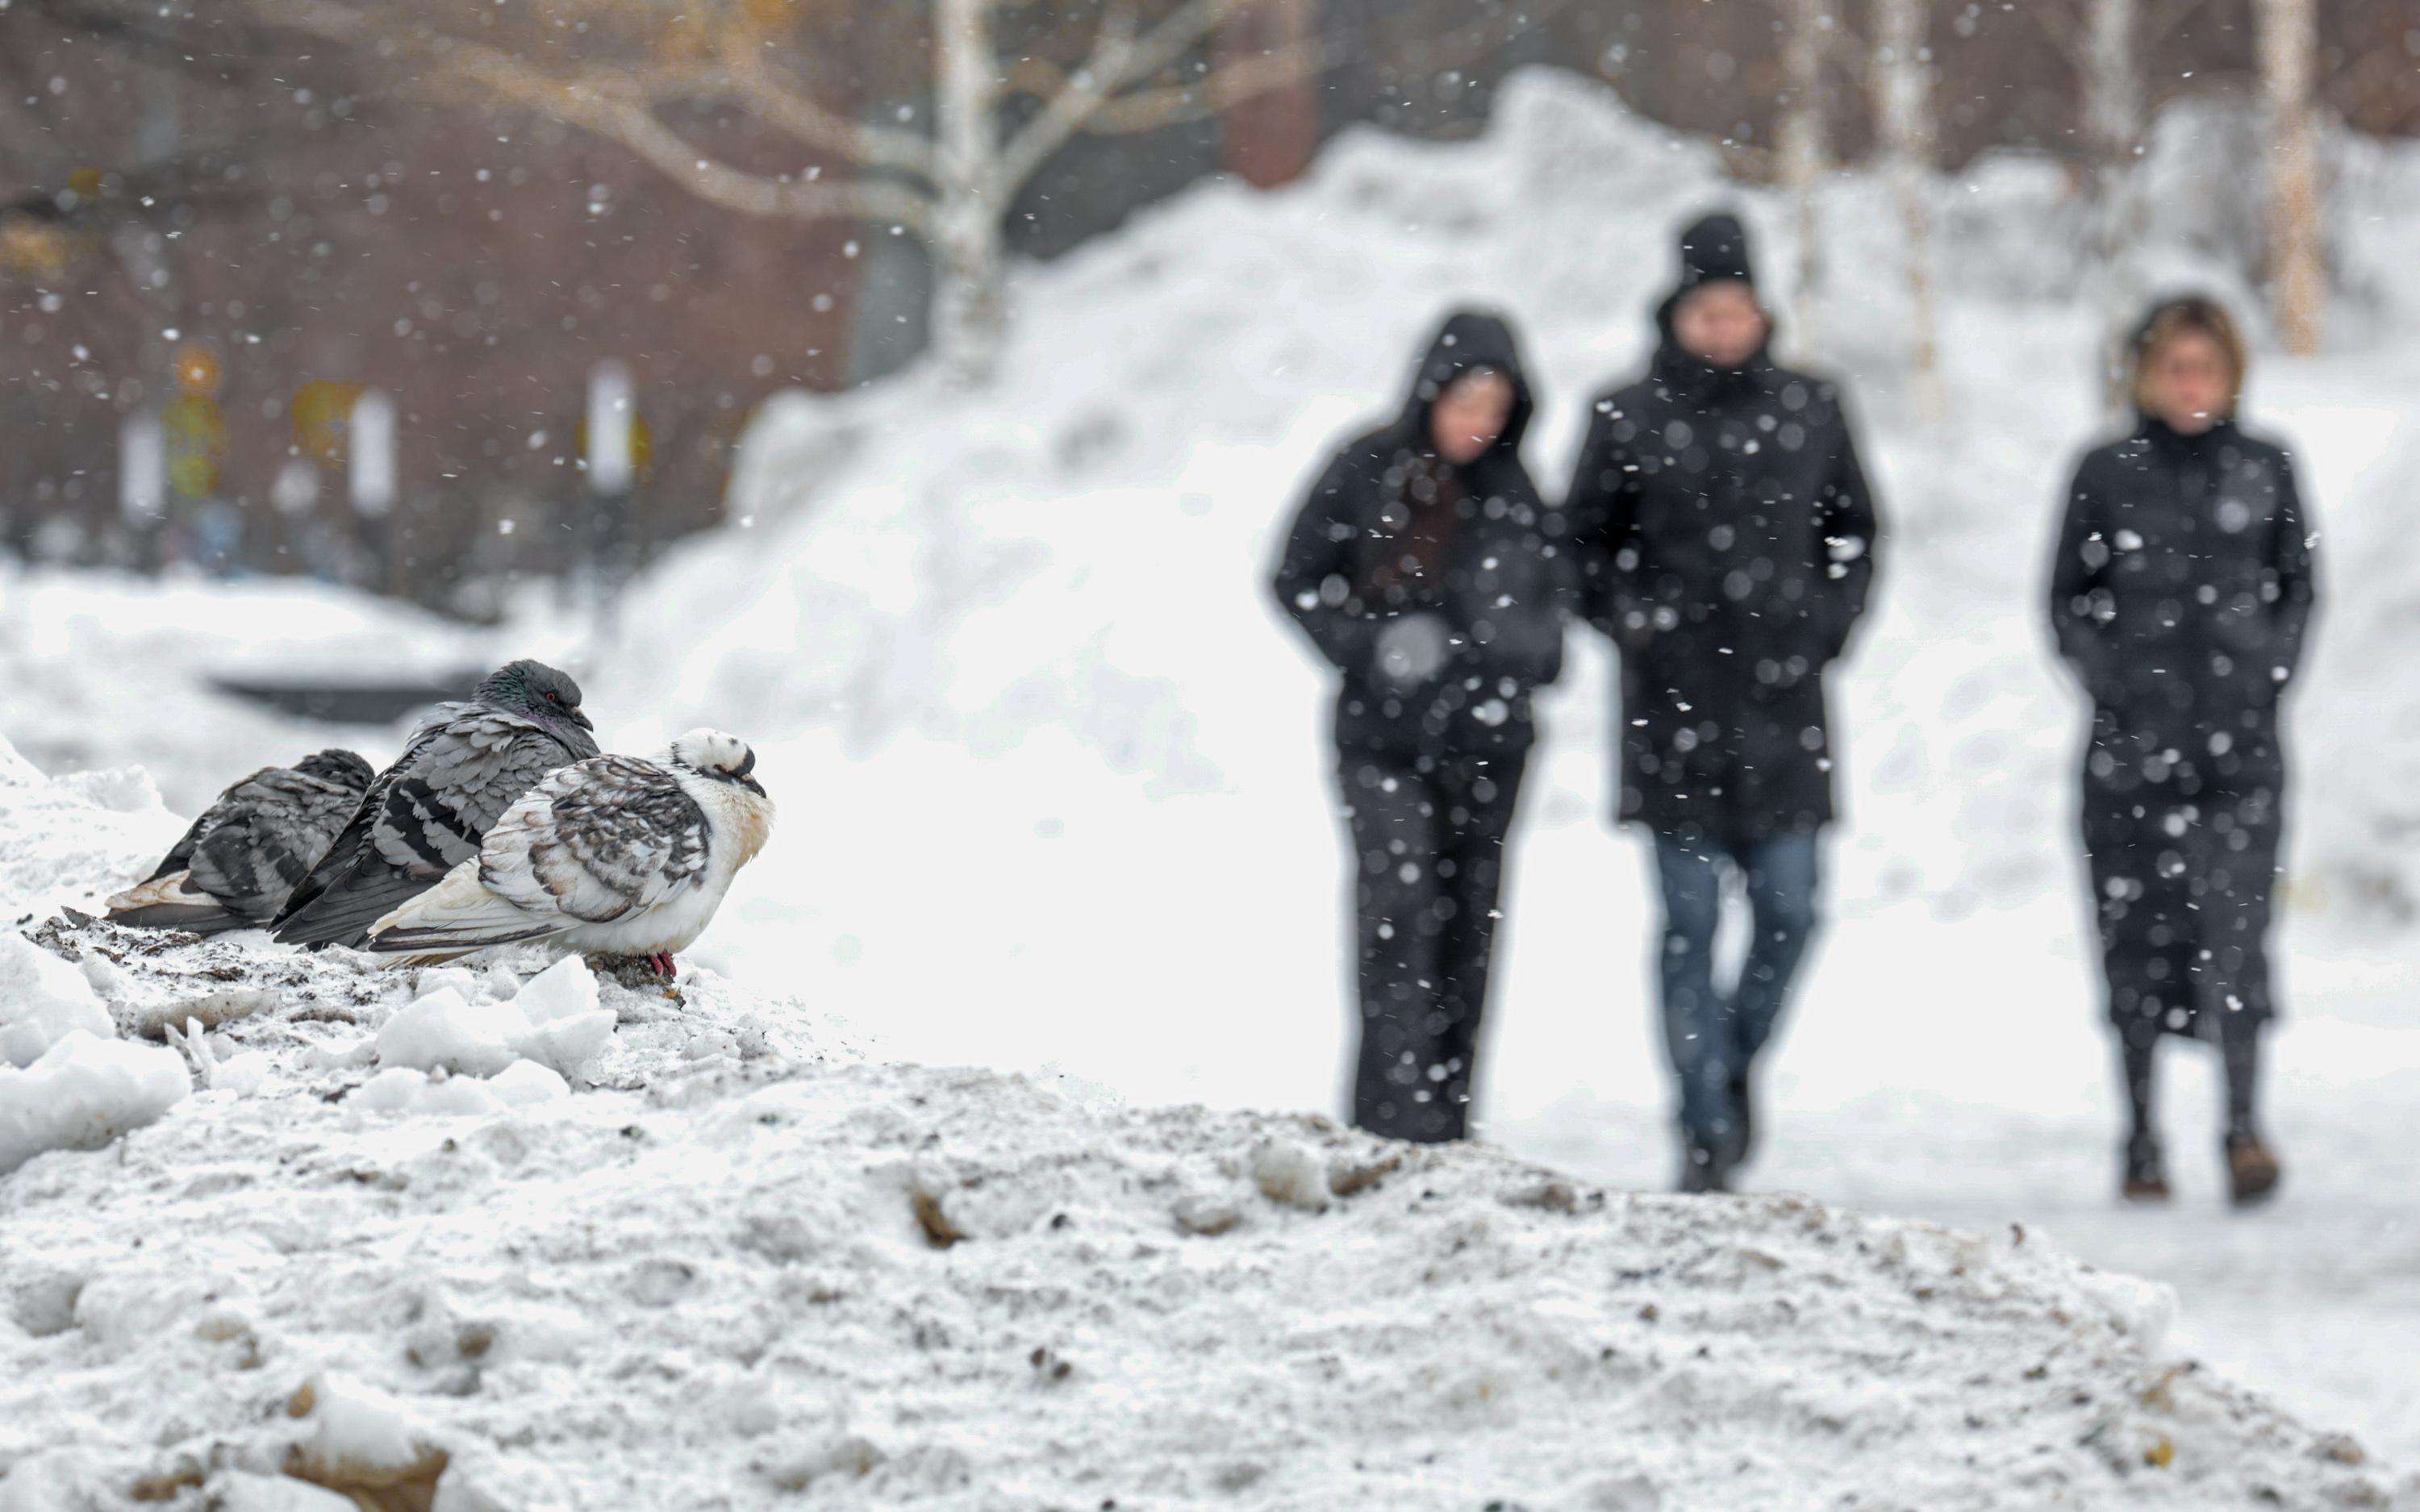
point(752, 785)
point(579, 719)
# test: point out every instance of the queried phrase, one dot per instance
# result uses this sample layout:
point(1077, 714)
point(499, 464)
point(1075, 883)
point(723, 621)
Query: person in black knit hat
point(2180, 596)
point(1425, 569)
point(1725, 535)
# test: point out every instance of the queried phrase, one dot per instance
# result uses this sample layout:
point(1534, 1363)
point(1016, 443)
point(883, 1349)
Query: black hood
point(1468, 339)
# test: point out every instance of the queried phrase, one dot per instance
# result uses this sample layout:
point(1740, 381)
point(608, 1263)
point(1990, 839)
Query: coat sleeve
point(1601, 510)
point(2297, 587)
point(1314, 578)
point(2078, 584)
point(1852, 529)
point(1517, 630)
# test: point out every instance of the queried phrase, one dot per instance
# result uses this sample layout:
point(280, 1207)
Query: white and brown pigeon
point(464, 766)
point(616, 856)
point(256, 842)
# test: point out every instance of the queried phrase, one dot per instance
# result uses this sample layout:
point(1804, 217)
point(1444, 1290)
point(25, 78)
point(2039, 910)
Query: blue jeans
point(1714, 1035)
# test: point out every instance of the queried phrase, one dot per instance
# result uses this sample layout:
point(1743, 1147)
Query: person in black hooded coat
point(2180, 596)
point(1425, 568)
point(1725, 535)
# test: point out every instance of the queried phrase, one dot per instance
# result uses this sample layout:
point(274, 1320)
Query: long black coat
point(2179, 594)
point(1725, 535)
point(1503, 587)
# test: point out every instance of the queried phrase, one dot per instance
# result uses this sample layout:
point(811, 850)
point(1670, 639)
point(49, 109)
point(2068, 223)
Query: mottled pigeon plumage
point(241, 860)
point(465, 765)
point(614, 856)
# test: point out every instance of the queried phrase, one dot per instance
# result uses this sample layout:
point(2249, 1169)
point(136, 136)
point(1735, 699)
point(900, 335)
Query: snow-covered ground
point(515, 1240)
point(1053, 776)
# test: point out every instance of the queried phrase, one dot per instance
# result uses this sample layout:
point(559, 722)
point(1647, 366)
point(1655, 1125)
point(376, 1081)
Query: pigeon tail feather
point(343, 914)
point(458, 915)
point(164, 903)
point(192, 918)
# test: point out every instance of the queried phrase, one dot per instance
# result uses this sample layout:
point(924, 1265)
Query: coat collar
point(1692, 378)
point(2167, 440)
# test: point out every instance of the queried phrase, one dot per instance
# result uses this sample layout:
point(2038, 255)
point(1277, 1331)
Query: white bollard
point(370, 454)
point(609, 428)
point(141, 469)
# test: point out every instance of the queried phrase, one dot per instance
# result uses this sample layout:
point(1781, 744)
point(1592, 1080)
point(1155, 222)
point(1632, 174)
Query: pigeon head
point(535, 689)
point(341, 768)
point(725, 758)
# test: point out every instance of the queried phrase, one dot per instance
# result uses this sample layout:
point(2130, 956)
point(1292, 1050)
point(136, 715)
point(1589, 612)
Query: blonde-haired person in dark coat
point(2180, 597)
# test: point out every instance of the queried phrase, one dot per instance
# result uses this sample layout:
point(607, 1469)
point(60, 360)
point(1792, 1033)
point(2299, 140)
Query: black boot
point(1704, 1169)
point(2252, 1171)
point(1743, 1134)
point(2146, 1172)
point(2146, 1177)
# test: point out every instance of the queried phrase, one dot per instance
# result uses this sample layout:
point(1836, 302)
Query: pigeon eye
point(551, 699)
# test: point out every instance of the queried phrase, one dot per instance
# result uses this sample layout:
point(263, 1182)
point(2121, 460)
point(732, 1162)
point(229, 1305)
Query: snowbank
point(66, 1081)
point(554, 1021)
point(42, 1001)
point(105, 669)
point(515, 1237)
point(83, 1092)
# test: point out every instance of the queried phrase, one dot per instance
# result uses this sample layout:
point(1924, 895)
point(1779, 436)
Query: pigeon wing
point(284, 823)
point(353, 841)
point(592, 843)
point(224, 807)
point(599, 841)
point(169, 897)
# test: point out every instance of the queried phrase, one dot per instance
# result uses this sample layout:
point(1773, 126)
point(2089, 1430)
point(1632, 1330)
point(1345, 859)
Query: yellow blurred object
point(85, 182)
point(35, 249)
point(197, 371)
point(194, 436)
point(322, 414)
point(2161, 1453)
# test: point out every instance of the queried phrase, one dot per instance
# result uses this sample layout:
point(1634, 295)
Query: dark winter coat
point(2179, 594)
point(1725, 536)
point(1499, 581)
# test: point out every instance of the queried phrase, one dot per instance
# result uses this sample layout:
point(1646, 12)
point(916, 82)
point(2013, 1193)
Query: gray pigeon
point(612, 856)
point(250, 849)
point(463, 767)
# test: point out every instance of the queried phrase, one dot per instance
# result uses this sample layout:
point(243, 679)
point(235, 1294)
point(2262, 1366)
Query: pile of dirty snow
point(510, 1236)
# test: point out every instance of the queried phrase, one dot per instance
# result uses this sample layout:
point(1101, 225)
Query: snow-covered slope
point(703, 1254)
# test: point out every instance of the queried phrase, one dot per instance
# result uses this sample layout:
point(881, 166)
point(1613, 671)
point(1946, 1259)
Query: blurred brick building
point(298, 221)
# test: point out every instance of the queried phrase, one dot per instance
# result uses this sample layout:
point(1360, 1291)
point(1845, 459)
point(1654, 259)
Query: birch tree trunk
point(2113, 115)
point(971, 303)
point(1803, 151)
point(2297, 271)
point(1903, 83)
